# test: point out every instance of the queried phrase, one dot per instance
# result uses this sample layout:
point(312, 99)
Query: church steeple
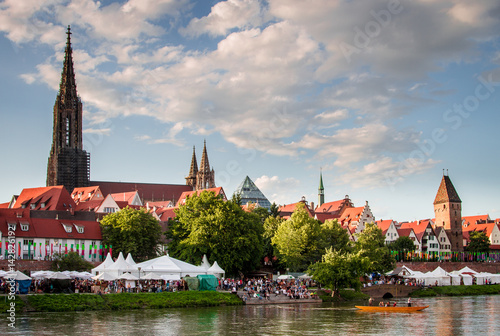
point(193, 171)
point(69, 164)
point(205, 176)
point(321, 190)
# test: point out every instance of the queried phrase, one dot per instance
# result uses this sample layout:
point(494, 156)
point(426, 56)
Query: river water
point(446, 316)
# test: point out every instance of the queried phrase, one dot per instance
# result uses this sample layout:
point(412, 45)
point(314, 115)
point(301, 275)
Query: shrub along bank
point(125, 301)
point(457, 291)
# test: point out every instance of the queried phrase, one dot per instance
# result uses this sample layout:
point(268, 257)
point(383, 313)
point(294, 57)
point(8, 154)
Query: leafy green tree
point(333, 235)
point(132, 231)
point(339, 270)
point(297, 240)
point(70, 262)
point(263, 213)
point(370, 243)
point(271, 224)
point(206, 224)
point(479, 242)
point(402, 244)
point(274, 210)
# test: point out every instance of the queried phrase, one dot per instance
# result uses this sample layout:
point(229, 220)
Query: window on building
point(79, 228)
point(109, 210)
point(68, 228)
point(25, 226)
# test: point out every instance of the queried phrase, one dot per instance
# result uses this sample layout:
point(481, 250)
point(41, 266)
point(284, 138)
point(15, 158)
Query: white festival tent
point(482, 277)
point(130, 260)
point(216, 270)
point(151, 276)
point(204, 262)
point(104, 277)
point(104, 265)
point(120, 266)
point(59, 276)
point(166, 265)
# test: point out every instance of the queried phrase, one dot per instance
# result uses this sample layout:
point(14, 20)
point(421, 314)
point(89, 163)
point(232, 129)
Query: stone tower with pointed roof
point(204, 177)
point(321, 190)
point(448, 212)
point(68, 163)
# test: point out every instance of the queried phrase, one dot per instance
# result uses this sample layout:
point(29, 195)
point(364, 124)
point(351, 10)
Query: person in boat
point(409, 301)
point(381, 304)
point(394, 305)
point(370, 302)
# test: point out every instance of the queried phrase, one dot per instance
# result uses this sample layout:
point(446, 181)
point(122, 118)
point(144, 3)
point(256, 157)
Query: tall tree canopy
point(297, 240)
point(132, 231)
point(402, 244)
point(339, 269)
point(222, 230)
point(333, 235)
point(370, 243)
point(479, 242)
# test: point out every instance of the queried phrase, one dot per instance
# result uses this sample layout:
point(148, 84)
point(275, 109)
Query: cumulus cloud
point(276, 189)
point(225, 16)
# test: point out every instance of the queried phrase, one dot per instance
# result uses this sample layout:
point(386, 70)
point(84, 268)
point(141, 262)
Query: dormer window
point(32, 206)
point(67, 228)
point(12, 226)
point(42, 205)
point(79, 228)
point(25, 226)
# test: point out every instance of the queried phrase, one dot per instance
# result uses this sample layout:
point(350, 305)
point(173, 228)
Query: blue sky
point(380, 95)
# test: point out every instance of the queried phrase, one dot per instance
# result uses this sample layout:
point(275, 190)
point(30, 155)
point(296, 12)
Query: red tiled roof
point(49, 228)
point(182, 199)
point(323, 217)
point(287, 210)
point(147, 191)
point(384, 225)
point(417, 226)
point(166, 213)
point(124, 196)
point(160, 204)
point(330, 206)
point(486, 228)
point(89, 205)
point(446, 192)
point(4, 205)
point(86, 194)
point(404, 232)
point(351, 214)
point(54, 198)
point(475, 219)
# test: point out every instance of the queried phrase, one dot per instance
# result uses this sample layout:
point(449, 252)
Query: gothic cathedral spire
point(68, 163)
point(205, 177)
point(193, 171)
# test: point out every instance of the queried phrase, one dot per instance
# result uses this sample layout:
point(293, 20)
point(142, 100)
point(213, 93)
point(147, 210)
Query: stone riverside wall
point(31, 265)
point(451, 266)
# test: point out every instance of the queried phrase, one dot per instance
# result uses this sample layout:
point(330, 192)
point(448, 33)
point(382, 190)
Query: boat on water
point(401, 309)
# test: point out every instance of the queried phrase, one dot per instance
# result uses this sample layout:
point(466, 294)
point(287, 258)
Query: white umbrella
point(17, 276)
point(84, 275)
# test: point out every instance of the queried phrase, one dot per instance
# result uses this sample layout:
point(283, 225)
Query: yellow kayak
point(396, 309)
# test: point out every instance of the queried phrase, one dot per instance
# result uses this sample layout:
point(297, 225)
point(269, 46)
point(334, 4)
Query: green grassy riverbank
point(457, 291)
point(123, 301)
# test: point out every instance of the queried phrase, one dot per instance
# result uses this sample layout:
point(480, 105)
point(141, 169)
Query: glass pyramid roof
point(250, 193)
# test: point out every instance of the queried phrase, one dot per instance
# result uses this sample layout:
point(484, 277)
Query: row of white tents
point(161, 268)
point(439, 277)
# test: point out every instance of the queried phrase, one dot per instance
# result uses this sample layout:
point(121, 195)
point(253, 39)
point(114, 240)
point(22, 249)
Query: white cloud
point(277, 190)
point(225, 16)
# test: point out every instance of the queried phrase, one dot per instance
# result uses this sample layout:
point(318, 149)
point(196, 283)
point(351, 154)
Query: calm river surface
point(445, 316)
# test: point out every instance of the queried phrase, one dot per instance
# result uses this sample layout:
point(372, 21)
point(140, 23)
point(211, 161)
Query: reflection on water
point(444, 317)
